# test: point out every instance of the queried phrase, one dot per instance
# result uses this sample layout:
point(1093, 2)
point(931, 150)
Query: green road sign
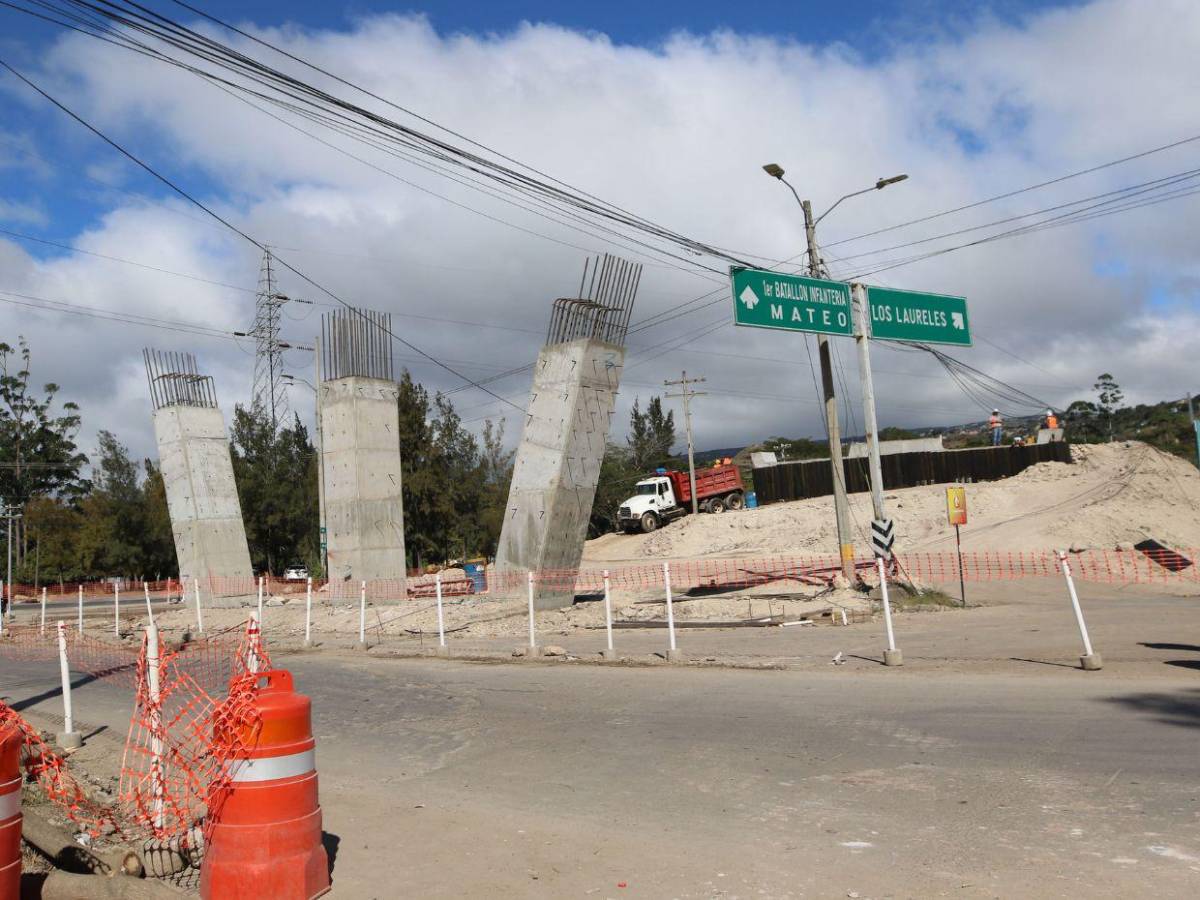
point(924, 318)
point(790, 302)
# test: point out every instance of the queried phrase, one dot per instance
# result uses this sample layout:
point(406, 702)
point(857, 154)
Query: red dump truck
point(668, 494)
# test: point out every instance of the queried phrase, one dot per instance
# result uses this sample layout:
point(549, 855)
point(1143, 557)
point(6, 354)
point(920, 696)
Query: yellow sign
point(956, 505)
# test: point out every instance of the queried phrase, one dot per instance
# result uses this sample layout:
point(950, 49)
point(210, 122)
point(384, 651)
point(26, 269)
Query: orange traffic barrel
point(10, 812)
point(265, 839)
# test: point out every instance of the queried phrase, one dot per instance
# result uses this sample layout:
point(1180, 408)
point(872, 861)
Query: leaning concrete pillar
point(360, 455)
point(557, 466)
point(193, 454)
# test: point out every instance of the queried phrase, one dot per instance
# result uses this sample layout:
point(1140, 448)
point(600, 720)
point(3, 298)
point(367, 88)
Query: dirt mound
point(1112, 494)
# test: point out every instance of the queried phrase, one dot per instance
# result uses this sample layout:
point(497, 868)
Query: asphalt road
point(449, 779)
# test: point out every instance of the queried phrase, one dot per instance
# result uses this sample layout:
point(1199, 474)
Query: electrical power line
point(235, 229)
point(119, 259)
point(1120, 195)
point(1033, 187)
point(289, 91)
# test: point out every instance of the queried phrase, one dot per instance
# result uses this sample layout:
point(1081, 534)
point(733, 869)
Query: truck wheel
point(716, 505)
point(649, 522)
point(735, 500)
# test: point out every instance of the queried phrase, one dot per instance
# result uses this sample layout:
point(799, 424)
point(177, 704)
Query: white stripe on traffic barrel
point(10, 799)
point(269, 768)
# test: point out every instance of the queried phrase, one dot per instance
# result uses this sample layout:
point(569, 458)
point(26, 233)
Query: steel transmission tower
point(270, 390)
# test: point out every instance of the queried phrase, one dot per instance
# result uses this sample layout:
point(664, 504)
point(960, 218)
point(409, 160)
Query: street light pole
point(862, 312)
point(841, 504)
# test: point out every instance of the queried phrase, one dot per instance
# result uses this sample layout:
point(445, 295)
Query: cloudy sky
point(668, 110)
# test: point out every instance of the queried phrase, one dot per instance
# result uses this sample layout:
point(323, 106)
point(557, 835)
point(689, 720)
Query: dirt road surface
point(453, 779)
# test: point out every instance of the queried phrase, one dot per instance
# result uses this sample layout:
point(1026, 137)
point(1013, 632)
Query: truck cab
point(653, 502)
point(668, 494)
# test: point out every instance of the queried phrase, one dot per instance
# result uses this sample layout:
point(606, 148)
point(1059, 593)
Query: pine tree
point(651, 435)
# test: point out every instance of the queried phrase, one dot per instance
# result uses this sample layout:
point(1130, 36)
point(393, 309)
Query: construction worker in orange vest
point(996, 425)
point(1051, 419)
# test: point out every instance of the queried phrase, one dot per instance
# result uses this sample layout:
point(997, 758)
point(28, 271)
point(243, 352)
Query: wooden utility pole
point(686, 394)
point(841, 504)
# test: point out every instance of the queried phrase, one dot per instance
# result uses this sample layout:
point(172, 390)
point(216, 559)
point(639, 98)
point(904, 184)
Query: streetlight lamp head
point(884, 182)
point(774, 170)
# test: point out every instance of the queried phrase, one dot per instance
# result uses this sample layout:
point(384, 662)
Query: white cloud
point(677, 133)
point(12, 211)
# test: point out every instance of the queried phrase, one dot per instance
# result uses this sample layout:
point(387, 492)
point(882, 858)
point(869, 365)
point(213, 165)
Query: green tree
point(276, 476)
point(618, 475)
point(1081, 422)
point(456, 460)
point(796, 448)
point(892, 433)
point(496, 468)
point(651, 435)
point(38, 454)
point(454, 491)
point(53, 526)
point(1108, 397)
point(158, 539)
point(423, 506)
point(114, 534)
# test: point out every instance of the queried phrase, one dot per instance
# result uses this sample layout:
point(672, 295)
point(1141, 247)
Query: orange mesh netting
point(181, 738)
point(49, 771)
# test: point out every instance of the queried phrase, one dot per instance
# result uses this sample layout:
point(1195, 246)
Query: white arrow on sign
point(748, 297)
point(956, 319)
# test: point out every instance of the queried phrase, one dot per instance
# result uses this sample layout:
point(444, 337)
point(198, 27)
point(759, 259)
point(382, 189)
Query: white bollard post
point(308, 615)
point(608, 652)
point(362, 617)
point(891, 656)
point(69, 739)
point(672, 651)
point(437, 584)
point(533, 647)
point(253, 637)
point(154, 677)
point(81, 609)
point(149, 608)
point(42, 627)
point(260, 598)
point(1090, 661)
point(199, 610)
point(117, 608)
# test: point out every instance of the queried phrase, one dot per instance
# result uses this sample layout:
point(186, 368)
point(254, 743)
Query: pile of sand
point(1112, 494)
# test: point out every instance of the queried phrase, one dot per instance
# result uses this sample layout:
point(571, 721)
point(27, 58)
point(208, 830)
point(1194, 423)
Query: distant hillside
point(1164, 425)
point(707, 456)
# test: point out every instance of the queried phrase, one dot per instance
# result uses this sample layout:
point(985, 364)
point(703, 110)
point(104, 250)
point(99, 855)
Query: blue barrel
point(751, 500)
point(477, 572)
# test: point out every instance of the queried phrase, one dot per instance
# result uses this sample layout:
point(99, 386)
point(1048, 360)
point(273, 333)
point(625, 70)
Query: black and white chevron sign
point(883, 536)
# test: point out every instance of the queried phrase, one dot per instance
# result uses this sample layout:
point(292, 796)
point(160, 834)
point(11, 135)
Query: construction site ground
point(1112, 494)
point(990, 765)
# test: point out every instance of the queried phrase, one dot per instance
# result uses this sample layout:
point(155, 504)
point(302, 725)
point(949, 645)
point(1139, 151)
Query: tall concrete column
point(557, 467)
point(193, 454)
point(360, 456)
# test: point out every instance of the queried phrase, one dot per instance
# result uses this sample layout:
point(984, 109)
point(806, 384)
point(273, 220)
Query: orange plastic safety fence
point(49, 770)
point(169, 764)
point(209, 660)
point(182, 733)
